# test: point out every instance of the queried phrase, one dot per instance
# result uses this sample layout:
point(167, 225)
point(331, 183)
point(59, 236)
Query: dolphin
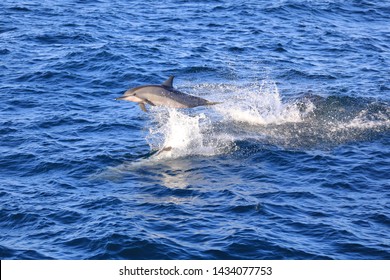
point(163, 95)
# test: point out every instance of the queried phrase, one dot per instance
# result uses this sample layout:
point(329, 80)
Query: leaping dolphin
point(163, 95)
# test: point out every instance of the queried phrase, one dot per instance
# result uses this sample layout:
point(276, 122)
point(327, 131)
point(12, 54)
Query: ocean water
point(293, 164)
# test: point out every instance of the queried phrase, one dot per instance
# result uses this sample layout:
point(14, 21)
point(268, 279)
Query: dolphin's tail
point(209, 103)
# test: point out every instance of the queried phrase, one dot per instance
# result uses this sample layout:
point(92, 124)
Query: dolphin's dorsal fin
point(169, 82)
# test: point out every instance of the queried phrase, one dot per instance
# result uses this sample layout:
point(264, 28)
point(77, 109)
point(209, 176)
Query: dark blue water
point(294, 164)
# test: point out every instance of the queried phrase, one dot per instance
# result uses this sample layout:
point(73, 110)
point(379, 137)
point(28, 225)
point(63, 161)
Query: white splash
point(176, 134)
point(261, 105)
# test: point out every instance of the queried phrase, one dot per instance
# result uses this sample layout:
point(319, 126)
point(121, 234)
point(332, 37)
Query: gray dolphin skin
point(163, 95)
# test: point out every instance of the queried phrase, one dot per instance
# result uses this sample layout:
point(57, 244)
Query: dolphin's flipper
point(142, 106)
point(169, 82)
point(149, 102)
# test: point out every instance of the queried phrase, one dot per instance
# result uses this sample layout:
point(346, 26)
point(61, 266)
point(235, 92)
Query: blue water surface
point(293, 164)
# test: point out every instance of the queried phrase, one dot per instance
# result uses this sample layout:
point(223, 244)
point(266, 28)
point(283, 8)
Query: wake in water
point(253, 117)
point(257, 113)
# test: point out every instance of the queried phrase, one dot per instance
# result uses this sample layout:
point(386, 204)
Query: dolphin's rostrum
point(163, 95)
